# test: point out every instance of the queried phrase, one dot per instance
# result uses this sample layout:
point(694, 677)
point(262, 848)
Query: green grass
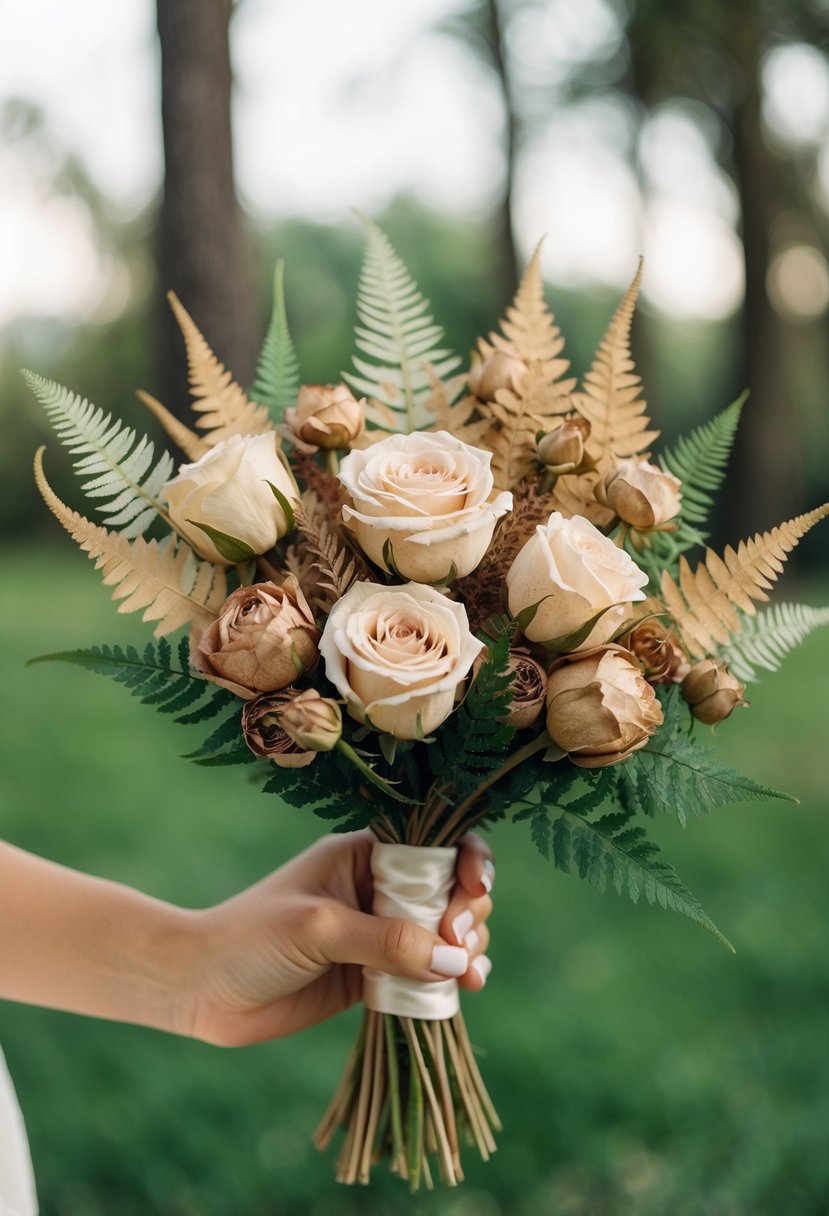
point(639, 1068)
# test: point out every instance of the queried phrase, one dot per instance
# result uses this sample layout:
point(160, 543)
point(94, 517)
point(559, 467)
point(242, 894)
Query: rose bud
point(641, 494)
point(600, 708)
point(561, 450)
point(660, 655)
point(327, 416)
point(712, 692)
point(566, 575)
point(234, 503)
point(263, 638)
point(313, 722)
point(266, 737)
point(529, 689)
point(501, 369)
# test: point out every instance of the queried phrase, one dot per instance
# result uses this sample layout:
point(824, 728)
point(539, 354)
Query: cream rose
point(422, 500)
point(224, 503)
point(398, 655)
point(642, 494)
point(326, 416)
point(571, 571)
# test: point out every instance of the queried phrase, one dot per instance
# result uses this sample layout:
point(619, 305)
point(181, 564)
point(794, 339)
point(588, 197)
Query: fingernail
point(450, 960)
point(462, 923)
point(471, 940)
point(483, 966)
point(488, 876)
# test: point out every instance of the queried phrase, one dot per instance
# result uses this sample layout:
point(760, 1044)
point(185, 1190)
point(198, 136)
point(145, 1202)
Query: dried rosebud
point(312, 721)
point(501, 369)
point(712, 692)
point(265, 735)
point(641, 494)
point(263, 638)
point(326, 416)
point(529, 690)
point(660, 655)
point(600, 708)
point(561, 450)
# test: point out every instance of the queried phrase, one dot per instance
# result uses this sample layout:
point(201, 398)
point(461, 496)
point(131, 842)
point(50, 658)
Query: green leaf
point(115, 465)
point(398, 335)
point(766, 638)
point(231, 548)
point(287, 509)
point(277, 369)
point(609, 852)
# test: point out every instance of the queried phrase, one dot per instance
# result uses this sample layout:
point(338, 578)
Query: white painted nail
point(450, 960)
point(471, 940)
point(462, 923)
point(488, 876)
point(483, 966)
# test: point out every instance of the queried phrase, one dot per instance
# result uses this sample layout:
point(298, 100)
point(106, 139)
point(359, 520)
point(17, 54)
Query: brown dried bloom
point(263, 638)
point(529, 690)
point(266, 737)
point(501, 369)
point(641, 494)
point(600, 708)
point(327, 416)
point(660, 655)
point(561, 450)
point(313, 722)
point(712, 692)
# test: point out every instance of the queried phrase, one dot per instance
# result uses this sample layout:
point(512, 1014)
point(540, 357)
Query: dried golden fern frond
point(518, 415)
point(193, 445)
point(338, 566)
point(299, 561)
point(529, 328)
point(575, 494)
point(611, 400)
point(460, 418)
point(704, 605)
point(326, 488)
point(223, 405)
point(165, 579)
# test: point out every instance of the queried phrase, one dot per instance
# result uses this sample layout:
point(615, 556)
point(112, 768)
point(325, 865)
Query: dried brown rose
point(266, 737)
point(641, 494)
point(529, 690)
point(660, 655)
point(263, 638)
point(314, 722)
point(600, 708)
point(327, 416)
point(712, 692)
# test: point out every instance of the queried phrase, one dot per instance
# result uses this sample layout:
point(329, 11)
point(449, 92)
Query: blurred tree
point(203, 251)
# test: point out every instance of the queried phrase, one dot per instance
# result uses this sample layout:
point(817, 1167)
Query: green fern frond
point(113, 462)
point(609, 852)
point(399, 336)
point(154, 677)
point(700, 460)
point(766, 639)
point(277, 369)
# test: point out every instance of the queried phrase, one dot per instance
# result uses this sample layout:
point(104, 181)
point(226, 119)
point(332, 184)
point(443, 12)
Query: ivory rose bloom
point(397, 655)
point(423, 499)
point(263, 638)
point(600, 707)
point(228, 491)
point(572, 572)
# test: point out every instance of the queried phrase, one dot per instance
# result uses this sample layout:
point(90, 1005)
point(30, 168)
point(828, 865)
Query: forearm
point(86, 945)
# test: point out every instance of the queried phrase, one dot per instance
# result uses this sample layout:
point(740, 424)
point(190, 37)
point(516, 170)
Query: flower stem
point(332, 462)
point(456, 818)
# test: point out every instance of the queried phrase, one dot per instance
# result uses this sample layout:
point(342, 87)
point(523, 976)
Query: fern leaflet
point(277, 370)
point(113, 464)
point(766, 639)
point(398, 334)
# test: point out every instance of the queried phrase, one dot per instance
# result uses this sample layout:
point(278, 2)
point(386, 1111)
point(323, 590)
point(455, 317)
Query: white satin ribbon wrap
point(413, 883)
point(17, 1185)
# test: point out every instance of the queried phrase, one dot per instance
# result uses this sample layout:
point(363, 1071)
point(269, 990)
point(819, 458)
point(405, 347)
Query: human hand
point(289, 951)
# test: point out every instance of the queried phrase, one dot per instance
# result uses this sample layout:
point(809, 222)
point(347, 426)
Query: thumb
point(396, 946)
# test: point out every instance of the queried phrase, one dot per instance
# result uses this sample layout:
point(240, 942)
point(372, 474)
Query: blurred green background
point(639, 1068)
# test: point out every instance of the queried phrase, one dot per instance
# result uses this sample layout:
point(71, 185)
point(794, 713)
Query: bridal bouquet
point(426, 599)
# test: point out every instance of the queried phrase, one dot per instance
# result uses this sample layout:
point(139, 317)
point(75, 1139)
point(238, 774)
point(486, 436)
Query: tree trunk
point(203, 251)
point(504, 233)
point(764, 480)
